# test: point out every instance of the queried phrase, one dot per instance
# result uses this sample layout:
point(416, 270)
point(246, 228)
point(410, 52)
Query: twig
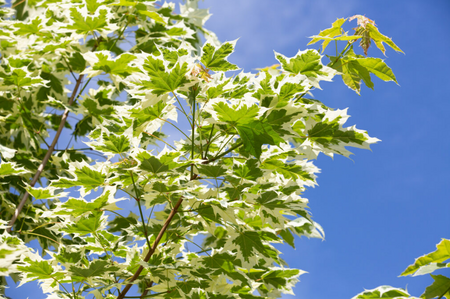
point(49, 152)
point(224, 153)
point(152, 250)
point(46, 158)
point(149, 285)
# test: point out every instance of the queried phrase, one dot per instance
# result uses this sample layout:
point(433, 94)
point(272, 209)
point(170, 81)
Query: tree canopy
point(135, 209)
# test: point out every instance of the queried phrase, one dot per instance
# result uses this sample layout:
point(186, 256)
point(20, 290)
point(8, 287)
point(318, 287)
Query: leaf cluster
point(197, 217)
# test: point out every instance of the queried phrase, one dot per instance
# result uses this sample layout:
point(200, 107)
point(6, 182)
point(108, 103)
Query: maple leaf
point(216, 59)
point(369, 32)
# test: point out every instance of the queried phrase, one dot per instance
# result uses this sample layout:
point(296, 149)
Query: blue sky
point(386, 207)
point(389, 206)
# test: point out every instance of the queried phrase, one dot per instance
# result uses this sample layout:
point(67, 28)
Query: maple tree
point(189, 218)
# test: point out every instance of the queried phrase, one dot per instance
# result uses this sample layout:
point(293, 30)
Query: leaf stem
point(73, 290)
point(120, 34)
point(61, 285)
point(340, 55)
point(192, 138)
point(39, 235)
point(100, 242)
point(165, 120)
point(73, 150)
point(200, 131)
point(224, 153)
point(209, 141)
point(181, 106)
point(222, 146)
point(136, 191)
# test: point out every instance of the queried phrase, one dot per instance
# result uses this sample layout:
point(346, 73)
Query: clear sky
point(389, 206)
point(386, 207)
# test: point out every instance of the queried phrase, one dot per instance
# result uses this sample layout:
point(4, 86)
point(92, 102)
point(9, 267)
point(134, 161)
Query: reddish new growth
point(201, 72)
point(362, 22)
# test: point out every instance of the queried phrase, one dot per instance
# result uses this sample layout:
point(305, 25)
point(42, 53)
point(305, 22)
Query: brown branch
point(17, 3)
point(49, 151)
point(149, 285)
point(152, 250)
point(46, 158)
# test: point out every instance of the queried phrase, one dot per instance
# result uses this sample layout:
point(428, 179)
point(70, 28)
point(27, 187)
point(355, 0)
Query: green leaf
point(307, 63)
point(97, 268)
point(216, 91)
point(5, 252)
point(40, 193)
point(354, 67)
point(153, 15)
point(378, 67)
point(253, 132)
point(142, 117)
point(352, 71)
point(265, 89)
point(34, 27)
point(288, 237)
point(248, 171)
point(89, 24)
point(278, 118)
point(85, 177)
point(67, 257)
point(287, 92)
point(119, 66)
point(113, 144)
point(161, 81)
point(223, 261)
point(233, 116)
point(37, 269)
point(53, 84)
point(289, 171)
point(86, 225)
point(92, 5)
point(187, 286)
point(279, 278)
point(151, 163)
point(328, 34)
point(348, 73)
point(379, 39)
point(78, 207)
point(257, 133)
point(385, 292)
point(124, 3)
point(270, 201)
point(250, 244)
point(441, 254)
point(216, 59)
point(11, 168)
point(439, 288)
point(331, 135)
point(164, 188)
point(213, 171)
point(20, 78)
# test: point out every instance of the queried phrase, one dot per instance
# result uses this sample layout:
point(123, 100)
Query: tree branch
point(49, 151)
point(149, 285)
point(224, 153)
point(152, 250)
